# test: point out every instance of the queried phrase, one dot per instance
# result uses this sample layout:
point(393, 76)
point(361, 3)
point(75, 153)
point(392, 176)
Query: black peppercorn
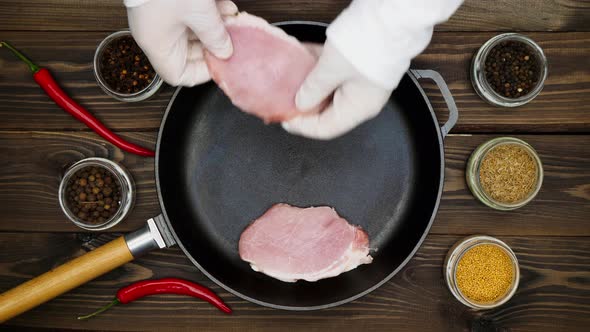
point(512, 69)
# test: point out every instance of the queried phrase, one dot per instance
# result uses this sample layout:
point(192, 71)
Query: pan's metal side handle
point(154, 236)
point(446, 93)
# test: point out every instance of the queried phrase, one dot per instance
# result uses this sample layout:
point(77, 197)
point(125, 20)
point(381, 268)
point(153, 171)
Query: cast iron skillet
point(218, 169)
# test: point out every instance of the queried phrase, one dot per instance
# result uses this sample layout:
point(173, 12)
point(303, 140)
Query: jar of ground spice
point(482, 272)
point(123, 71)
point(96, 193)
point(509, 70)
point(504, 173)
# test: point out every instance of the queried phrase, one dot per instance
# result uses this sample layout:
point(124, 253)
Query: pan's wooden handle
point(64, 278)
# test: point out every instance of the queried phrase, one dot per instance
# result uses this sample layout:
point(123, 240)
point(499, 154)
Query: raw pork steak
point(265, 71)
point(290, 243)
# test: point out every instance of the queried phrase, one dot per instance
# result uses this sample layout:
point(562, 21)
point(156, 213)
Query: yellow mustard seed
point(484, 273)
point(508, 173)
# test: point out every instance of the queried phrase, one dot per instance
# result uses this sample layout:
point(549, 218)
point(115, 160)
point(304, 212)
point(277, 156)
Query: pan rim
point(332, 304)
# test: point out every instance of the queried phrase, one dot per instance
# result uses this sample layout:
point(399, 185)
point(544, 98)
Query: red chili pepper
point(43, 77)
point(144, 288)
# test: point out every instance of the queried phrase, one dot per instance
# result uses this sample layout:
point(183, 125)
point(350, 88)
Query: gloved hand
point(355, 98)
point(173, 33)
point(369, 47)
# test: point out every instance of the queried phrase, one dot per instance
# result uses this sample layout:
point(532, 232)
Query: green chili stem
point(34, 68)
point(105, 308)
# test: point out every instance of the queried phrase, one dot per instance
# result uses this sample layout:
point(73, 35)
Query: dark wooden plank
point(563, 202)
point(69, 56)
point(31, 168)
point(32, 161)
point(553, 293)
point(527, 15)
point(563, 106)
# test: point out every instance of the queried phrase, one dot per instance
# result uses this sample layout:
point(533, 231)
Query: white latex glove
point(369, 48)
point(355, 98)
point(173, 33)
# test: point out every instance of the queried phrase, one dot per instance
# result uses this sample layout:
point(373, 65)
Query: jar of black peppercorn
point(509, 70)
point(96, 193)
point(123, 71)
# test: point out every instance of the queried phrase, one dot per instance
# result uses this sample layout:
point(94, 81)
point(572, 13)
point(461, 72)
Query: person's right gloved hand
point(173, 34)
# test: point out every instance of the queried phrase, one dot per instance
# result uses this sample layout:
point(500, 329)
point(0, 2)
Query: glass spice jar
point(472, 173)
point(121, 176)
point(457, 252)
point(484, 88)
point(149, 91)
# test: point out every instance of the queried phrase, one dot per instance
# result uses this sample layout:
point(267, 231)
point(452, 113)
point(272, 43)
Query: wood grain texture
point(563, 106)
point(551, 236)
point(553, 293)
point(524, 15)
point(32, 162)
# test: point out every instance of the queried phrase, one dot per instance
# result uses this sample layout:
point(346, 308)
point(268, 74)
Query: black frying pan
point(217, 169)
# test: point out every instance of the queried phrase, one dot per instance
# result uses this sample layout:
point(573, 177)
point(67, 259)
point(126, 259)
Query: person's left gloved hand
point(368, 50)
point(355, 98)
point(173, 34)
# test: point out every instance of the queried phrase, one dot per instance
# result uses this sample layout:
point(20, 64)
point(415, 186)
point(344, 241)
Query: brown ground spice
point(508, 173)
point(485, 273)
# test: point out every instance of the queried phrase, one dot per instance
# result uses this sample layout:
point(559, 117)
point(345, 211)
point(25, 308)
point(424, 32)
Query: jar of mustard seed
point(482, 272)
point(504, 173)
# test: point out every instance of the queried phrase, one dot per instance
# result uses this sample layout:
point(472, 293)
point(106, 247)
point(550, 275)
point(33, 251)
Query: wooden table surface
point(550, 236)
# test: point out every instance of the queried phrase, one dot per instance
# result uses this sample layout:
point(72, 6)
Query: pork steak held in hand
point(265, 71)
point(291, 243)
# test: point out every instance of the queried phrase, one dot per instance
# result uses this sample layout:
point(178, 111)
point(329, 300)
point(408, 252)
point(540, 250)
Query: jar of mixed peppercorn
point(96, 193)
point(509, 70)
point(123, 71)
